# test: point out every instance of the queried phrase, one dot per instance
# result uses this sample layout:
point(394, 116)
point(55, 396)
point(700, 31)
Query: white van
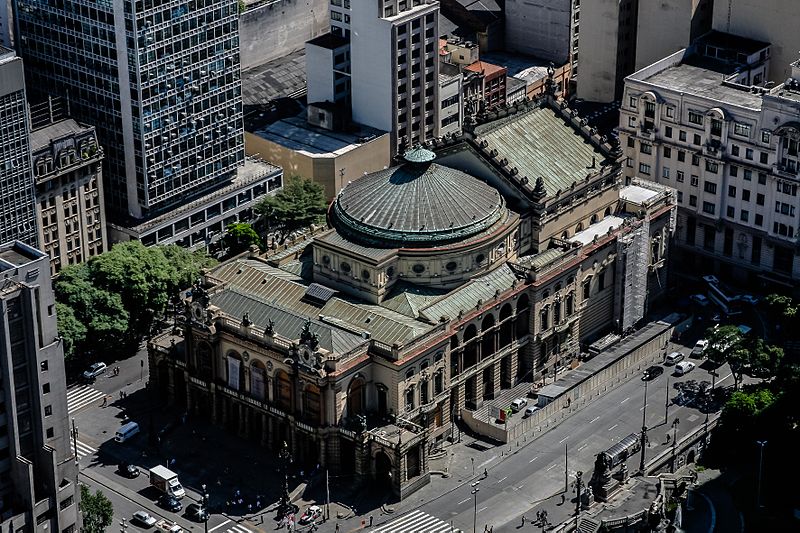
point(684, 367)
point(673, 358)
point(127, 431)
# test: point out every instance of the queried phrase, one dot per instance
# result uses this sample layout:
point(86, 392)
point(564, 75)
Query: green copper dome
point(418, 154)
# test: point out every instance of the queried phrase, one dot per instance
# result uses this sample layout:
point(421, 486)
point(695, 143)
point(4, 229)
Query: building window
point(409, 398)
point(48, 410)
point(710, 187)
point(695, 118)
point(745, 195)
point(763, 158)
point(734, 170)
point(762, 178)
point(709, 208)
point(747, 175)
point(696, 139)
point(631, 122)
point(744, 215)
point(680, 197)
point(765, 137)
point(667, 152)
point(748, 154)
point(681, 156)
point(716, 127)
point(759, 220)
point(44, 365)
point(646, 148)
point(644, 169)
point(601, 280)
point(679, 176)
point(695, 160)
point(670, 112)
point(734, 150)
point(759, 199)
point(629, 162)
point(695, 181)
point(668, 132)
point(587, 288)
point(712, 166)
point(665, 172)
point(693, 200)
point(544, 318)
point(633, 101)
point(730, 212)
point(50, 433)
point(438, 383)
point(682, 136)
point(46, 388)
point(631, 142)
point(742, 130)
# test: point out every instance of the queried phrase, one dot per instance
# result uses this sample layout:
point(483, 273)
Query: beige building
point(68, 165)
point(444, 281)
point(330, 158)
point(702, 122)
point(620, 36)
point(774, 21)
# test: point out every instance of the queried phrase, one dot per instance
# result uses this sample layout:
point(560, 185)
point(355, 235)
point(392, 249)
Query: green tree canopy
point(186, 264)
point(239, 236)
point(96, 510)
point(300, 203)
point(70, 329)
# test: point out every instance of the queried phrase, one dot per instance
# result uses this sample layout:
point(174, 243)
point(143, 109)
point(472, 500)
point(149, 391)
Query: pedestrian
point(485, 472)
point(669, 437)
point(370, 520)
point(337, 527)
point(563, 498)
point(249, 508)
point(523, 521)
point(538, 516)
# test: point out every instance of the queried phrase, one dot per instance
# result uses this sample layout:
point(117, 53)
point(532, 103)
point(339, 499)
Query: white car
point(699, 348)
point(711, 279)
point(530, 410)
point(684, 367)
point(699, 299)
point(95, 370)
point(518, 404)
point(144, 518)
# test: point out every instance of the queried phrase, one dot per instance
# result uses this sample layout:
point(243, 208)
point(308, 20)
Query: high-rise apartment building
point(17, 195)
point(38, 473)
point(541, 28)
point(381, 58)
point(702, 121)
point(160, 82)
point(68, 165)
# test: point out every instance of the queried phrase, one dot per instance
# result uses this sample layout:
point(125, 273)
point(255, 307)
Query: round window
point(365, 274)
point(345, 267)
point(390, 272)
point(326, 259)
point(452, 265)
point(418, 268)
point(480, 258)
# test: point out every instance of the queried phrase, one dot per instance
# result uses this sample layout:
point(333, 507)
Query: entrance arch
point(383, 469)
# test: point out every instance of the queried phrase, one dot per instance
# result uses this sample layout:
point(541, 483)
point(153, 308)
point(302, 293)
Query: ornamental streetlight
point(205, 507)
point(475, 490)
point(285, 460)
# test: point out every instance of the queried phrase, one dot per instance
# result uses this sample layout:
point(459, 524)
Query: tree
point(71, 330)
point(239, 236)
point(300, 203)
point(96, 510)
point(187, 265)
point(763, 360)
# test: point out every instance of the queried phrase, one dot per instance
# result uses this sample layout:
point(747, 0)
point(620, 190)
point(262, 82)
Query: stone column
point(514, 366)
point(321, 459)
point(495, 378)
point(264, 429)
point(244, 412)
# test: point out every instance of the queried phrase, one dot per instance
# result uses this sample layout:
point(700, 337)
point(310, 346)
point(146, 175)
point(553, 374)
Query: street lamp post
point(644, 428)
point(666, 402)
point(285, 458)
point(205, 507)
point(578, 489)
point(475, 491)
point(674, 441)
point(761, 444)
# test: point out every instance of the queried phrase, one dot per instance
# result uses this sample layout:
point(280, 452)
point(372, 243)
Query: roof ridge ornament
point(419, 154)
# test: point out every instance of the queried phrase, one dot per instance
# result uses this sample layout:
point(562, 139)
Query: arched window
point(470, 346)
point(488, 347)
point(204, 364)
point(506, 325)
point(544, 318)
point(283, 390)
point(312, 404)
point(235, 371)
point(356, 397)
point(258, 379)
point(523, 315)
point(594, 218)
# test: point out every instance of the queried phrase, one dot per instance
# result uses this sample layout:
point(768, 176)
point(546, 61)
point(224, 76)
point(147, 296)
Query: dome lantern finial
point(418, 154)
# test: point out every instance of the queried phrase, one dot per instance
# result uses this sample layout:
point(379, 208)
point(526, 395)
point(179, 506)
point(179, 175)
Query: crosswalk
point(235, 528)
point(84, 449)
point(80, 397)
point(416, 522)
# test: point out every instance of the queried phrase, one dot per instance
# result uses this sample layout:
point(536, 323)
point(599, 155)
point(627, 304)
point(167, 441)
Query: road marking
point(532, 460)
point(238, 529)
point(220, 525)
point(486, 462)
point(584, 446)
point(612, 427)
point(520, 487)
point(562, 440)
point(595, 419)
point(641, 408)
point(417, 521)
point(625, 400)
point(84, 450)
point(465, 500)
point(500, 481)
point(549, 468)
point(82, 396)
point(483, 509)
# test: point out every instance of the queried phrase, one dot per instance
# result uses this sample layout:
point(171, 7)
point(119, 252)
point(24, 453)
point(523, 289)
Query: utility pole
point(674, 441)
point(566, 468)
point(666, 403)
point(205, 507)
point(644, 428)
point(761, 444)
point(475, 490)
point(578, 488)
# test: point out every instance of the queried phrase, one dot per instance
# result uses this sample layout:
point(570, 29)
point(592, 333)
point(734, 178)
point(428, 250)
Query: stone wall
point(274, 28)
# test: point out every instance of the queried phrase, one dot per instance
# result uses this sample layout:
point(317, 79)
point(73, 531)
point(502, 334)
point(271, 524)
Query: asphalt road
point(536, 471)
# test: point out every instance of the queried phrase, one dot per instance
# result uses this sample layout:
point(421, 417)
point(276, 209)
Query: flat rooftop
point(599, 229)
point(637, 194)
point(41, 138)
point(15, 254)
point(284, 77)
point(296, 134)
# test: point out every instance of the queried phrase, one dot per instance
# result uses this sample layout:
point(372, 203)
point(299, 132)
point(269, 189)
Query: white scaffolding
point(635, 250)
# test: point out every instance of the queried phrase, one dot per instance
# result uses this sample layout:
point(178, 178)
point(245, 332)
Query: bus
point(728, 304)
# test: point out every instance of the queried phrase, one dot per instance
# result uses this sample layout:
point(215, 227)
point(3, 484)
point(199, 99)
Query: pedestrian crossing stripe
point(416, 522)
point(84, 449)
point(238, 529)
point(82, 396)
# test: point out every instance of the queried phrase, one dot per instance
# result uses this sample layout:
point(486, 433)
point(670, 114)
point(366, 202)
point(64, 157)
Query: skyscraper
point(38, 474)
point(387, 53)
point(17, 191)
point(159, 81)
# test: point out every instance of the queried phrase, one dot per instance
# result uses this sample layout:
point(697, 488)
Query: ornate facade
point(464, 278)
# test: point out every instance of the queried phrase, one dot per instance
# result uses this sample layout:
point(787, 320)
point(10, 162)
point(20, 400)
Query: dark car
point(128, 470)
point(196, 512)
point(652, 372)
point(170, 503)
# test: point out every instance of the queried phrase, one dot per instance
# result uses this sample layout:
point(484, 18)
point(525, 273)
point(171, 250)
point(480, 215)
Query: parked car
point(143, 518)
point(196, 512)
point(749, 299)
point(711, 279)
point(673, 358)
point(311, 515)
point(699, 299)
point(170, 503)
point(684, 367)
point(518, 404)
point(94, 370)
point(128, 470)
point(530, 410)
point(652, 372)
point(699, 348)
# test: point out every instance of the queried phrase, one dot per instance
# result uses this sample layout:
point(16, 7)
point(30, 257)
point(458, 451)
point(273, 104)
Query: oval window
point(451, 266)
point(365, 274)
point(480, 258)
point(418, 268)
point(345, 267)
